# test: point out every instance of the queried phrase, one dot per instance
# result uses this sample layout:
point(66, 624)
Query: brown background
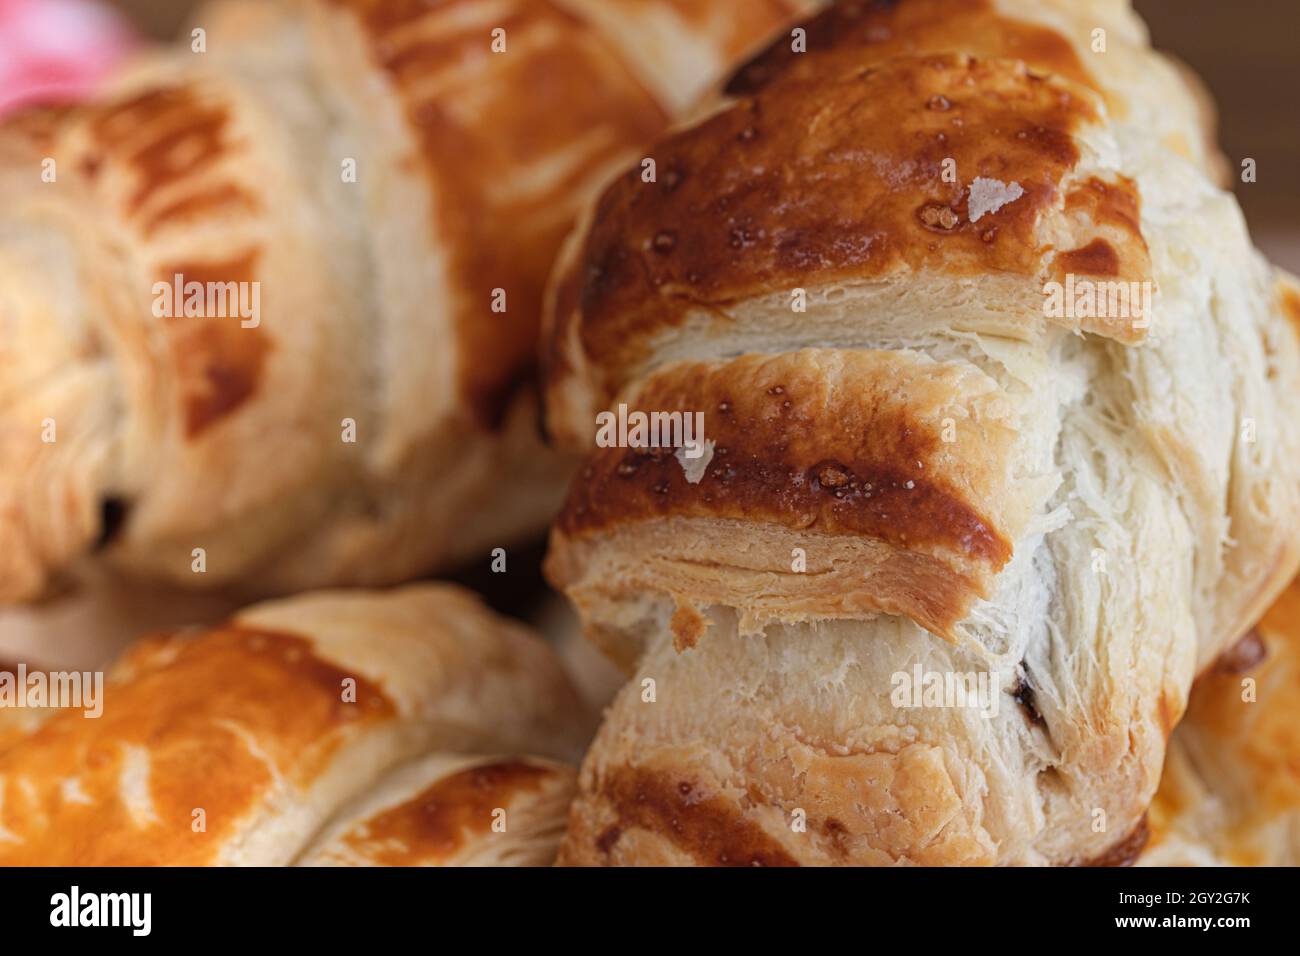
point(1248, 51)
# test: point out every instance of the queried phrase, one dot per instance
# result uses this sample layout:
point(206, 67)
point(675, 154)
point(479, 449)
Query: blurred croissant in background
point(366, 197)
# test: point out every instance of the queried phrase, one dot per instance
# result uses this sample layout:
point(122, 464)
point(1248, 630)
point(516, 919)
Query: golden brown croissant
point(267, 306)
point(998, 402)
point(329, 722)
point(454, 811)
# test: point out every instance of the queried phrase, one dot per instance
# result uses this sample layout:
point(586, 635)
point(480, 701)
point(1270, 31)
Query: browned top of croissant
point(447, 811)
point(236, 743)
point(807, 202)
point(477, 152)
point(707, 236)
point(865, 31)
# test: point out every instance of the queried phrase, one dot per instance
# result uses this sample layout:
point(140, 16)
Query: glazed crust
point(236, 744)
point(454, 811)
point(699, 246)
point(847, 445)
point(1141, 87)
point(1098, 506)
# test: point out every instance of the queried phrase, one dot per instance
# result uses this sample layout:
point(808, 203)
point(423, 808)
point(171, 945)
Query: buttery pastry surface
point(926, 468)
point(395, 191)
point(454, 811)
point(236, 745)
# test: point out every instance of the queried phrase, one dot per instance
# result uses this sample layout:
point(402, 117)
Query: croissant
point(997, 450)
point(1230, 793)
point(270, 304)
point(454, 811)
point(334, 728)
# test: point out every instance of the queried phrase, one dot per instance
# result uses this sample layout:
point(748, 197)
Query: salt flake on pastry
point(987, 196)
point(694, 466)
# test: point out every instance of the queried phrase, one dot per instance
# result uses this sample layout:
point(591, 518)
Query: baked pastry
point(1102, 44)
point(271, 305)
point(238, 744)
point(928, 459)
point(454, 811)
point(1230, 794)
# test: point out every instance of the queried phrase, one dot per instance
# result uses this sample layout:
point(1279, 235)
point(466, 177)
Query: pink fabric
point(54, 51)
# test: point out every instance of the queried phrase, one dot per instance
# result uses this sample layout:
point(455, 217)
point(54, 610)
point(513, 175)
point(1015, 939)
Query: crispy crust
point(703, 827)
point(913, 465)
point(1138, 85)
point(478, 163)
point(865, 32)
point(783, 218)
point(450, 811)
point(269, 723)
point(683, 815)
